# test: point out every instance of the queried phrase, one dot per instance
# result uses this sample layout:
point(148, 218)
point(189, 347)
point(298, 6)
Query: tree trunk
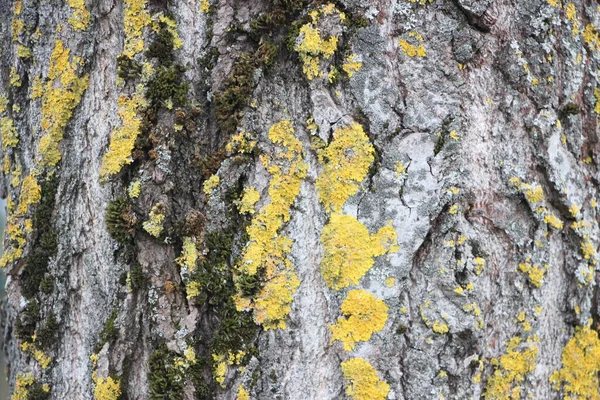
point(294, 199)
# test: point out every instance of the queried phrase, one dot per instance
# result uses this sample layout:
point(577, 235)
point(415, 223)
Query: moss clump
point(46, 336)
point(128, 68)
point(110, 332)
point(27, 321)
point(166, 381)
point(44, 244)
point(120, 220)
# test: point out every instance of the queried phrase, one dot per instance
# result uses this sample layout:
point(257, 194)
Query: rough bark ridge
point(299, 199)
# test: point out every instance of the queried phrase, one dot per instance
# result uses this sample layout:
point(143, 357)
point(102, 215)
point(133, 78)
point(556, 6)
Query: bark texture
point(286, 199)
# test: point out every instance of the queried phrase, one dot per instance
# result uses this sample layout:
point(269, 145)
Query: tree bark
point(296, 199)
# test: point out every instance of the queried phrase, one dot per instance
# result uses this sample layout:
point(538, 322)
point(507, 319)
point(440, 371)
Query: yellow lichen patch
point(597, 96)
point(10, 137)
point(588, 249)
point(171, 27)
point(154, 225)
point(267, 249)
point(219, 368)
point(390, 282)
point(106, 388)
point(413, 50)
point(31, 193)
point(134, 189)
point(571, 14)
point(440, 327)
point(211, 184)
point(533, 193)
point(241, 143)
point(351, 65)
point(504, 383)
point(15, 78)
point(81, 16)
point(362, 315)
point(535, 274)
point(346, 162)
point(242, 394)
point(553, 221)
point(590, 37)
point(400, 169)
point(248, 200)
point(204, 6)
point(24, 52)
point(123, 139)
point(63, 93)
point(37, 89)
point(349, 250)
point(578, 376)
point(312, 48)
point(136, 18)
point(479, 265)
point(189, 254)
point(22, 382)
point(192, 289)
point(17, 27)
point(574, 210)
point(362, 382)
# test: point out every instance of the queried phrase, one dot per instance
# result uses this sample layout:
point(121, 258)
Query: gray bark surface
point(498, 109)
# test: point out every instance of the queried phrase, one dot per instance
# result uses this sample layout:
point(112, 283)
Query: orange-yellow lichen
point(189, 254)
point(312, 48)
point(123, 139)
point(154, 225)
point(349, 250)
point(553, 221)
point(504, 383)
point(106, 388)
point(31, 193)
point(63, 93)
point(10, 137)
point(413, 50)
point(346, 162)
point(248, 200)
point(81, 16)
point(591, 37)
point(578, 376)
point(241, 143)
point(242, 394)
point(211, 184)
point(351, 65)
point(362, 382)
point(22, 382)
point(535, 274)
point(362, 315)
point(267, 249)
point(136, 18)
point(204, 6)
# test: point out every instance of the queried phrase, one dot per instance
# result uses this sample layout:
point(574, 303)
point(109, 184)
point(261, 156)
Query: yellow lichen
point(248, 200)
point(136, 18)
point(189, 254)
point(312, 48)
point(24, 52)
point(591, 37)
point(349, 250)
point(63, 93)
point(15, 78)
point(267, 249)
point(210, 184)
point(362, 382)
point(588, 249)
point(10, 137)
point(37, 89)
point(123, 139)
point(362, 315)
point(578, 376)
point(192, 289)
point(400, 169)
point(22, 382)
point(31, 193)
point(440, 327)
point(351, 65)
point(504, 383)
point(106, 388)
point(597, 96)
point(346, 162)
point(81, 16)
point(171, 26)
point(390, 282)
point(413, 50)
point(17, 27)
point(535, 274)
point(204, 6)
point(553, 221)
point(154, 225)
point(134, 189)
point(242, 394)
point(241, 143)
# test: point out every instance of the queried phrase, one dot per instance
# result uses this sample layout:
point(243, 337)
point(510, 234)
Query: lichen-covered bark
point(289, 199)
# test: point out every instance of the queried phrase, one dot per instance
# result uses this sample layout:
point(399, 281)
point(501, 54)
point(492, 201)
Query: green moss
point(570, 109)
point(128, 68)
point(46, 336)
point(36, 392)
point(44, 244)
point(168, 85)
point(166, 381)
point(110, 332)
point(120, 220)
point(27, 321)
